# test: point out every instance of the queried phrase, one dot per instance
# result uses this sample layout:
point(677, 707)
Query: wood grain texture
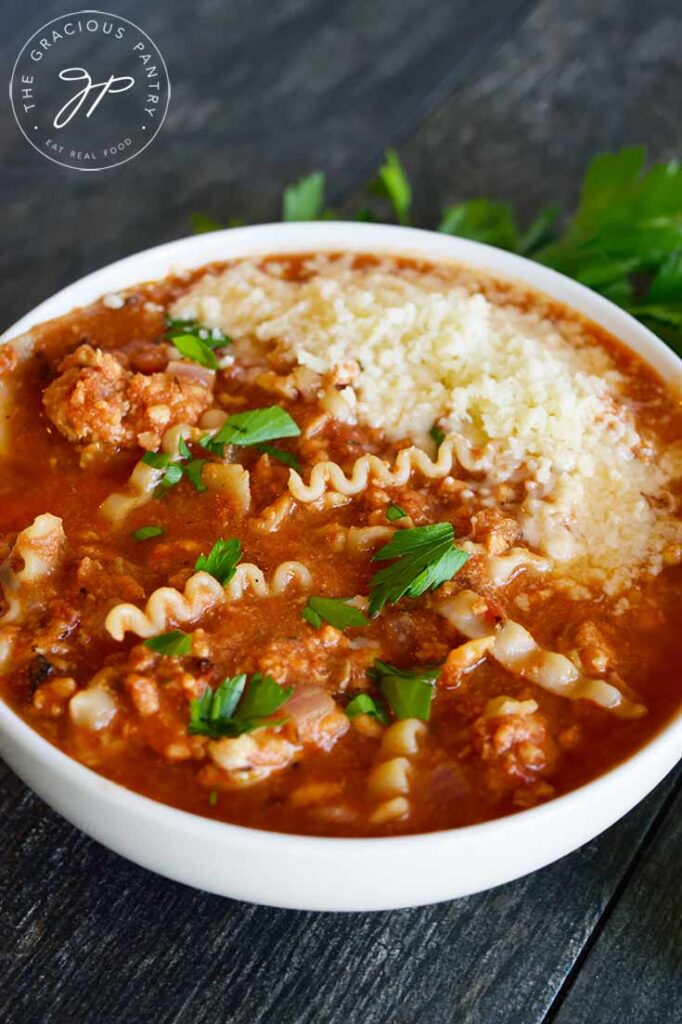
point(91, 938)
point(264, 92)
point(633, 971)
point(260, 90)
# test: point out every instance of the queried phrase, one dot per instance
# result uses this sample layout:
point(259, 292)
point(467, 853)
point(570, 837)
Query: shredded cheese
point(537, 397)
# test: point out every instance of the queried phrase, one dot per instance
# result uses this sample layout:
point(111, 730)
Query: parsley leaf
point(253, 427)
point(193, 470)
point(409, 692)
point(162, 460)
point(395, 512)
point(235, 708)
point(288, 458)
point(391, 182)
point(174, 470)
point(221, 561)
point(334, 610)
point(483, 221)
point(305, 199)
point(425, 558)
point(147, 532)
point(212, 337)
point(191, 347)
point(437, 434)
point(363, 704)
point(174, 642)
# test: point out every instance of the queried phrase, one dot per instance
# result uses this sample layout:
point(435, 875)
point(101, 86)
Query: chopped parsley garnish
point(253, 427)
point(191, 347)
point(221, 561)
point(436, 434)
point(334, 610)
point(409, 692)
point(305, 199)
point(173, 643)
point(175, 470)
point(395, 512)
point(235, 707)
point(276, 453)
point(213, 793)
point(147, 532)
point(212, 337)
point(363, 704)
point(193, 470)
point(426, 556)
point(162, 460)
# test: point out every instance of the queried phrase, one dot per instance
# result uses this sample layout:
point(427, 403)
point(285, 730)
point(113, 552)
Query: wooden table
point(503, 98)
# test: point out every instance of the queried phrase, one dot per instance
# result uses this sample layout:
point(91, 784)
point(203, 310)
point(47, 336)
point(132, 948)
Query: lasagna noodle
point(168, 607)
point(516, 650)
point(389, 780)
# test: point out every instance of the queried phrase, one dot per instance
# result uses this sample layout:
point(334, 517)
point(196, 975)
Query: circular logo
point(90, 90)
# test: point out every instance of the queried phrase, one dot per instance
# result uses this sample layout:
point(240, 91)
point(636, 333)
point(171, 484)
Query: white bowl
point(307, 872)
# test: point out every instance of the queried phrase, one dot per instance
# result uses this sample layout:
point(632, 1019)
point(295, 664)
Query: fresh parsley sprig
point(624, 240)
point(408, 692)
point(174, 468)
point(254, 427)
point(175, 642)
point(221, 561)
point(425, 557)
point(334, 610)
point(235, 707)
point(363, 704)
point(305, 199)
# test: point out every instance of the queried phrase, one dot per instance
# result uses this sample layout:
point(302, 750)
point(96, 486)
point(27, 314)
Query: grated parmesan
point(538, 399)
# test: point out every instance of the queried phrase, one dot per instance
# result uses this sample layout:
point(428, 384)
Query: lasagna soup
point(338, 545)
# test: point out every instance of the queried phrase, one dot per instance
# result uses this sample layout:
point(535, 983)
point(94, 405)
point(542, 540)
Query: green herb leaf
point(363, 704)
point(334, 610)
point(201, 223)
point(395, 512)
point(221, 561)
point(483, 221)
point(409, 692)
point(436, 434)
point(147, 532)
point(235, 708)
point(392, 182)
point(253, 427)
point(159, 460)
point(305, 199)
point(538, 232)
point(288, 458)
point(174, 642)
point(425, 558)
point(263, 697)
point(212, 337)
point(191, 347)
point(408, 698)
point(172, 476)
point(193, 470)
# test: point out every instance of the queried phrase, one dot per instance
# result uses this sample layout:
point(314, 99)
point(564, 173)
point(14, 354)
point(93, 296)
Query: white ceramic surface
point(318, 873)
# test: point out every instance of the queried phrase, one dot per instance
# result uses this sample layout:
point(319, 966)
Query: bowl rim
point(380, 239)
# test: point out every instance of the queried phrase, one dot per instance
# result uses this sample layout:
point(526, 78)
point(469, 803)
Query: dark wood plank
point(261, 93)
point(575, 79)
point(280, 89)
point(88, 937)
point(632, 972)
